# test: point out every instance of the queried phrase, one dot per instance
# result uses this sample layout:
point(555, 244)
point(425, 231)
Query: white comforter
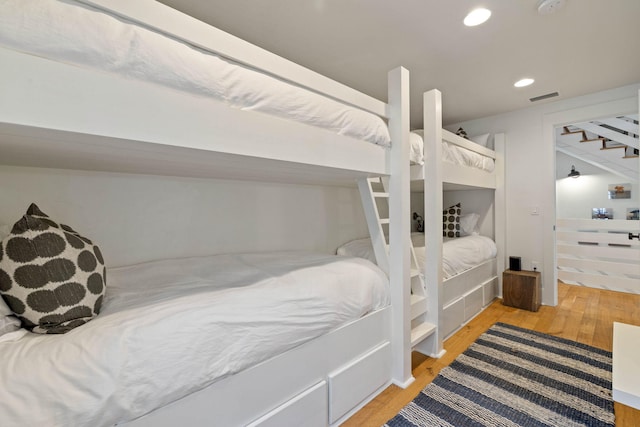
point(172, 327)
point(457, 155)
point(68, 32)
point(458, 254)
point(451, 153)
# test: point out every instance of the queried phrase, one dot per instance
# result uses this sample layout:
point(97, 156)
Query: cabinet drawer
point(489, 291)
point(309, 408)
point(353, 383)
point(452, 317)
point(472, 303)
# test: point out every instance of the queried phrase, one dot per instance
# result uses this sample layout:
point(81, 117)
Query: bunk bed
point(73, 98)
point(452, 279)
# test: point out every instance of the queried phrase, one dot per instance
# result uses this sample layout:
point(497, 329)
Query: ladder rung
point(384, 220)
point(418, 305)
point(421, 332)
point(380, 194)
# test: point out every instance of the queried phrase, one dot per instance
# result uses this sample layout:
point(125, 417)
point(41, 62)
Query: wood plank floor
point(582, 314)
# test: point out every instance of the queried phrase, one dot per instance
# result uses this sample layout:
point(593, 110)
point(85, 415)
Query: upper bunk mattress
point(458, 254)
point(170, 328)
point(451, 153)
point(70, 32)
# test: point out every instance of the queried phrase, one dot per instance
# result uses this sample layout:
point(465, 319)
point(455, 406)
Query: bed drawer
point(452, 317)
point(489, 291)
point(352, 384)
point(452, 289)
point(473, 303)
point(309, 408)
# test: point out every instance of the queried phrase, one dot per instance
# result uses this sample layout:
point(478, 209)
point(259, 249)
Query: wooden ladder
point(375, 194)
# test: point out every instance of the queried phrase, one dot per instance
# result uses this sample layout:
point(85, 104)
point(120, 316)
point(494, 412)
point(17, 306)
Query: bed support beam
point(399, 227)
point(432, 120)
point(500, 206)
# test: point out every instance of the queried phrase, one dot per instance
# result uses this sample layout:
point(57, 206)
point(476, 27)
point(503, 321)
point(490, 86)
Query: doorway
point(570, 229)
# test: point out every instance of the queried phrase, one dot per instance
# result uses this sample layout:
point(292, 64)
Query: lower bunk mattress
point(458, 254)
point(170, 328)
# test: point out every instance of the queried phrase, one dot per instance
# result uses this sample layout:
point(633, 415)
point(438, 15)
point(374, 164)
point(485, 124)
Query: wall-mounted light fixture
point(420, 222)
point(574, 173)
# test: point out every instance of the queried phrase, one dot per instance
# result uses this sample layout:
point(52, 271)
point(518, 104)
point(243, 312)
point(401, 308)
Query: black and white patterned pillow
point(51, 277)
point(461, 132)
point(451, 221)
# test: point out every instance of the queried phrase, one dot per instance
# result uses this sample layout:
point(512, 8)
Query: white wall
point(474, 201)
point(478, 201)
point(575, 197)
point(135, 218)
point(530, 172)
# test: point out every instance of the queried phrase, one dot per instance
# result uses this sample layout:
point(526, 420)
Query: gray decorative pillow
point(451, 221)
point(51, 277)
point(8, 322)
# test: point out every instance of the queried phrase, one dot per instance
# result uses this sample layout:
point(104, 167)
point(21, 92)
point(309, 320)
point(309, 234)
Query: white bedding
point(458, 254)
point(170, 328)
point(451, 153)
point(77, 34)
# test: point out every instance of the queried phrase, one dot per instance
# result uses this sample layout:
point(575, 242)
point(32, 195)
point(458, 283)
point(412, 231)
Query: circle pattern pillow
point(51, 277)
point(451, 221)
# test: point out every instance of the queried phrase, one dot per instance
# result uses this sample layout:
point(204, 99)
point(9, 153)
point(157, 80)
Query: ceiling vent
point(541, 97)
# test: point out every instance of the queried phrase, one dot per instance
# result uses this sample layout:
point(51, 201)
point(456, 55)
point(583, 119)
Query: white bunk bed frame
point(455, 301)
point(58, 115)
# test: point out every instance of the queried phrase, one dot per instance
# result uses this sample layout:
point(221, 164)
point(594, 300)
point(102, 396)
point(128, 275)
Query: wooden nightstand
point(521, 289)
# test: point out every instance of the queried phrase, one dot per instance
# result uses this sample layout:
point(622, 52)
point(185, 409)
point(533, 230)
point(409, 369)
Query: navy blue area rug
point(516, 377)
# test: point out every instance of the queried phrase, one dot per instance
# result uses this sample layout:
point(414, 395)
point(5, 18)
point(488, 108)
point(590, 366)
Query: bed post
point(399, 227)
point(433, 218)
point(500, 207)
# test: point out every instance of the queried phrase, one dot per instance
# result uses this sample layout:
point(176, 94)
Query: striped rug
point(516, 377)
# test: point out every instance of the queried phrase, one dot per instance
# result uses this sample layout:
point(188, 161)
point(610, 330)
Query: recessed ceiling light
point(477, 17)
point(523, 82)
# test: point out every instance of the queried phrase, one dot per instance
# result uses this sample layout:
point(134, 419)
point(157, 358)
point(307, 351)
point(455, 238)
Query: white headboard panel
point(135, 218)
point(480, 201)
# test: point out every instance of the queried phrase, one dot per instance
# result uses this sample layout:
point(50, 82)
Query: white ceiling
point(584, 47)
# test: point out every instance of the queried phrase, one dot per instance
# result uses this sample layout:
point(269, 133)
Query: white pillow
point(481, 139)
point(416, 150)
point(468, 223)
point(8, 322)
point(361, 248)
